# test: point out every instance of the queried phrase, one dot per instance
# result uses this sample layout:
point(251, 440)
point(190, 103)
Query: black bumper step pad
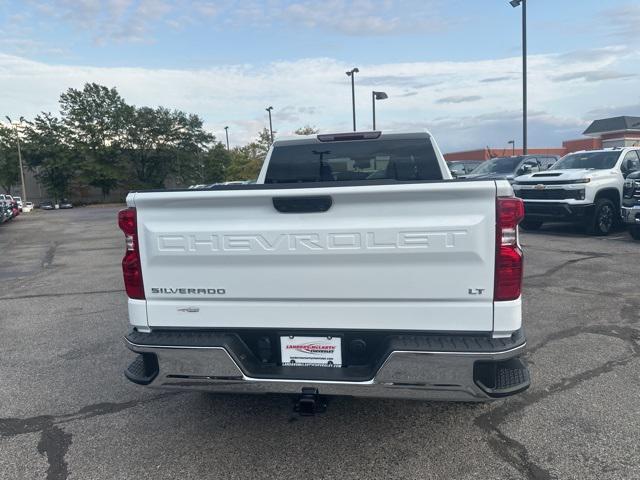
point(143, 370)
point(501, 379)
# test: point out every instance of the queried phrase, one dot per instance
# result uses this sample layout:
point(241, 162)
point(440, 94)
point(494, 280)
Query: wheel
point(531, 224)
point(604, 217)
point(634, 230)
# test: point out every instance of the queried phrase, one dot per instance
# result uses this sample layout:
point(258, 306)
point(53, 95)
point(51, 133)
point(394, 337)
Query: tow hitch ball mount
point(310, 402)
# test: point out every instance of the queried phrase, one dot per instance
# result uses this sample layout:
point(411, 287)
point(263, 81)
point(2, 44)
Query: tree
point(160, 142)
point(306, 130)
point(247, 161)
point(215, 164)
point(95, 119)
point(9, 166)
point(49, 155)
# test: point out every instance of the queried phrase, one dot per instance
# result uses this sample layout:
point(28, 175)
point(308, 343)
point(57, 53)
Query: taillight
point(131, 267)
point(508, 276)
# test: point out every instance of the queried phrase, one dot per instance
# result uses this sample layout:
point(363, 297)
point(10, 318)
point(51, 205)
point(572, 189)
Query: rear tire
point(604, 218)
point(634, 230)
point(531, 225)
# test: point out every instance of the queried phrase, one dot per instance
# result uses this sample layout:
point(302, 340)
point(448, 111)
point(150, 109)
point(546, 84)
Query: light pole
point(352, 73)
point(226, 132)
point(24, 191)
point(513, 147)
point(376, 96)
point(514, 4)
point(268, 109)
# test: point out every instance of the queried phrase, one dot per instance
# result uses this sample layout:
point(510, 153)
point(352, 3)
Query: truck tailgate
point(385, 257)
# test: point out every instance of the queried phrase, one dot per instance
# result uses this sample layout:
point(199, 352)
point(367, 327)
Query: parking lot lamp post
point(226, 132)
point(514, 4)
point(513, 147)
point(352, 73)
point(376, 96)
point(24, 191)
point(268, 109)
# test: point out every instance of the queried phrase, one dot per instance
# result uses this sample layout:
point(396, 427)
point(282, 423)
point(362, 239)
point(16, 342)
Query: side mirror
point(524, 169)
point(624, 169)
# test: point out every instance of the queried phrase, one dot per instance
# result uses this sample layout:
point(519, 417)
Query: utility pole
point(376, 96)
point(24, 190)
point(514, 4)
point(351, 73)
point(226, 132)
point(268, 109)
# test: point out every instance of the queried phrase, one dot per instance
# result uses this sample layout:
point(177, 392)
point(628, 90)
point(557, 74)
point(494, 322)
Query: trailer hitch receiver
point(310, 402)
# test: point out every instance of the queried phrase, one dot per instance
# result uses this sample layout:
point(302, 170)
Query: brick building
point(621, 131)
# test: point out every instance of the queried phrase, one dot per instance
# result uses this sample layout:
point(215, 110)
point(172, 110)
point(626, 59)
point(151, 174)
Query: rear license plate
point(311, 351)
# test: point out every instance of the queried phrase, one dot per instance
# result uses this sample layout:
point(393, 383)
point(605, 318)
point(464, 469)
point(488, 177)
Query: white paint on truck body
point(396, 257)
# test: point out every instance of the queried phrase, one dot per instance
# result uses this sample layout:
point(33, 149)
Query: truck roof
point(319, 138)
point(608, 149)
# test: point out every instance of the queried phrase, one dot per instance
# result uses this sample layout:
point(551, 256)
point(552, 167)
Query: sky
point(453, 67)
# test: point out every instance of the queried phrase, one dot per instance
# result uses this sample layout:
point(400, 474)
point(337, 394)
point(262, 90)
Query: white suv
point(582, 186)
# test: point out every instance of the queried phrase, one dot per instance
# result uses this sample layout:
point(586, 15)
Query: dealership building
point(611, 132)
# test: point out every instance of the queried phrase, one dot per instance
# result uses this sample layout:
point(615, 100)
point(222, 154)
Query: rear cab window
point(353, 161)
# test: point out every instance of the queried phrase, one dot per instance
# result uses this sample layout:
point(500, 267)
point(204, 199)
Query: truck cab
point(584, 187)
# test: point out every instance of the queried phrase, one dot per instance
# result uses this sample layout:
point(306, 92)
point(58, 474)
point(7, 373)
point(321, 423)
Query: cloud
point(122, 21)
point(496, 79)
point(316, 91)
point(135, 21)
point(459, 99)
point(592, 76)
point(615, 111)
point(366, 17)
point(413, 81)
point(591, 55)
point(621, 22)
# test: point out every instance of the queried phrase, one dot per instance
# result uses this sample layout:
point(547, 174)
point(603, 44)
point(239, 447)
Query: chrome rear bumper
point(424, 375)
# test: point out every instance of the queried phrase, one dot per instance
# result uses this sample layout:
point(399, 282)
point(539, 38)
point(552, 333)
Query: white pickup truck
point(355, 266)
point(584, 186)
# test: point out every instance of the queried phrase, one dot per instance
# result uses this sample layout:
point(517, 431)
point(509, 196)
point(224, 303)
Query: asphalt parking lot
point(66, 410)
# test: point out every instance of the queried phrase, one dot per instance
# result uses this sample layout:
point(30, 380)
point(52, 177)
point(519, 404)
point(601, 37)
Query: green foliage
point(99, 140)
point(9, 166)
point(96, 119)
point(247, 161)
point(102, 141)
point(160, 142)
point(49, 154)
point(216, 162)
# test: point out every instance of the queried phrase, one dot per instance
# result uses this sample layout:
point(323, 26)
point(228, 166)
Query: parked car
point(13, 205)
point(338, 286)
point(582, 187)
point(6, 213)
point(510, 167)
point(27, 207)
point(47, 205)
point(65, 204)
point(18, 200)
point(463, 167)
point(631, 204)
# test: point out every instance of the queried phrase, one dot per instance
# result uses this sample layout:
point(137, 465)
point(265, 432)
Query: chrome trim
point(629, 215)
point(425, 375)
